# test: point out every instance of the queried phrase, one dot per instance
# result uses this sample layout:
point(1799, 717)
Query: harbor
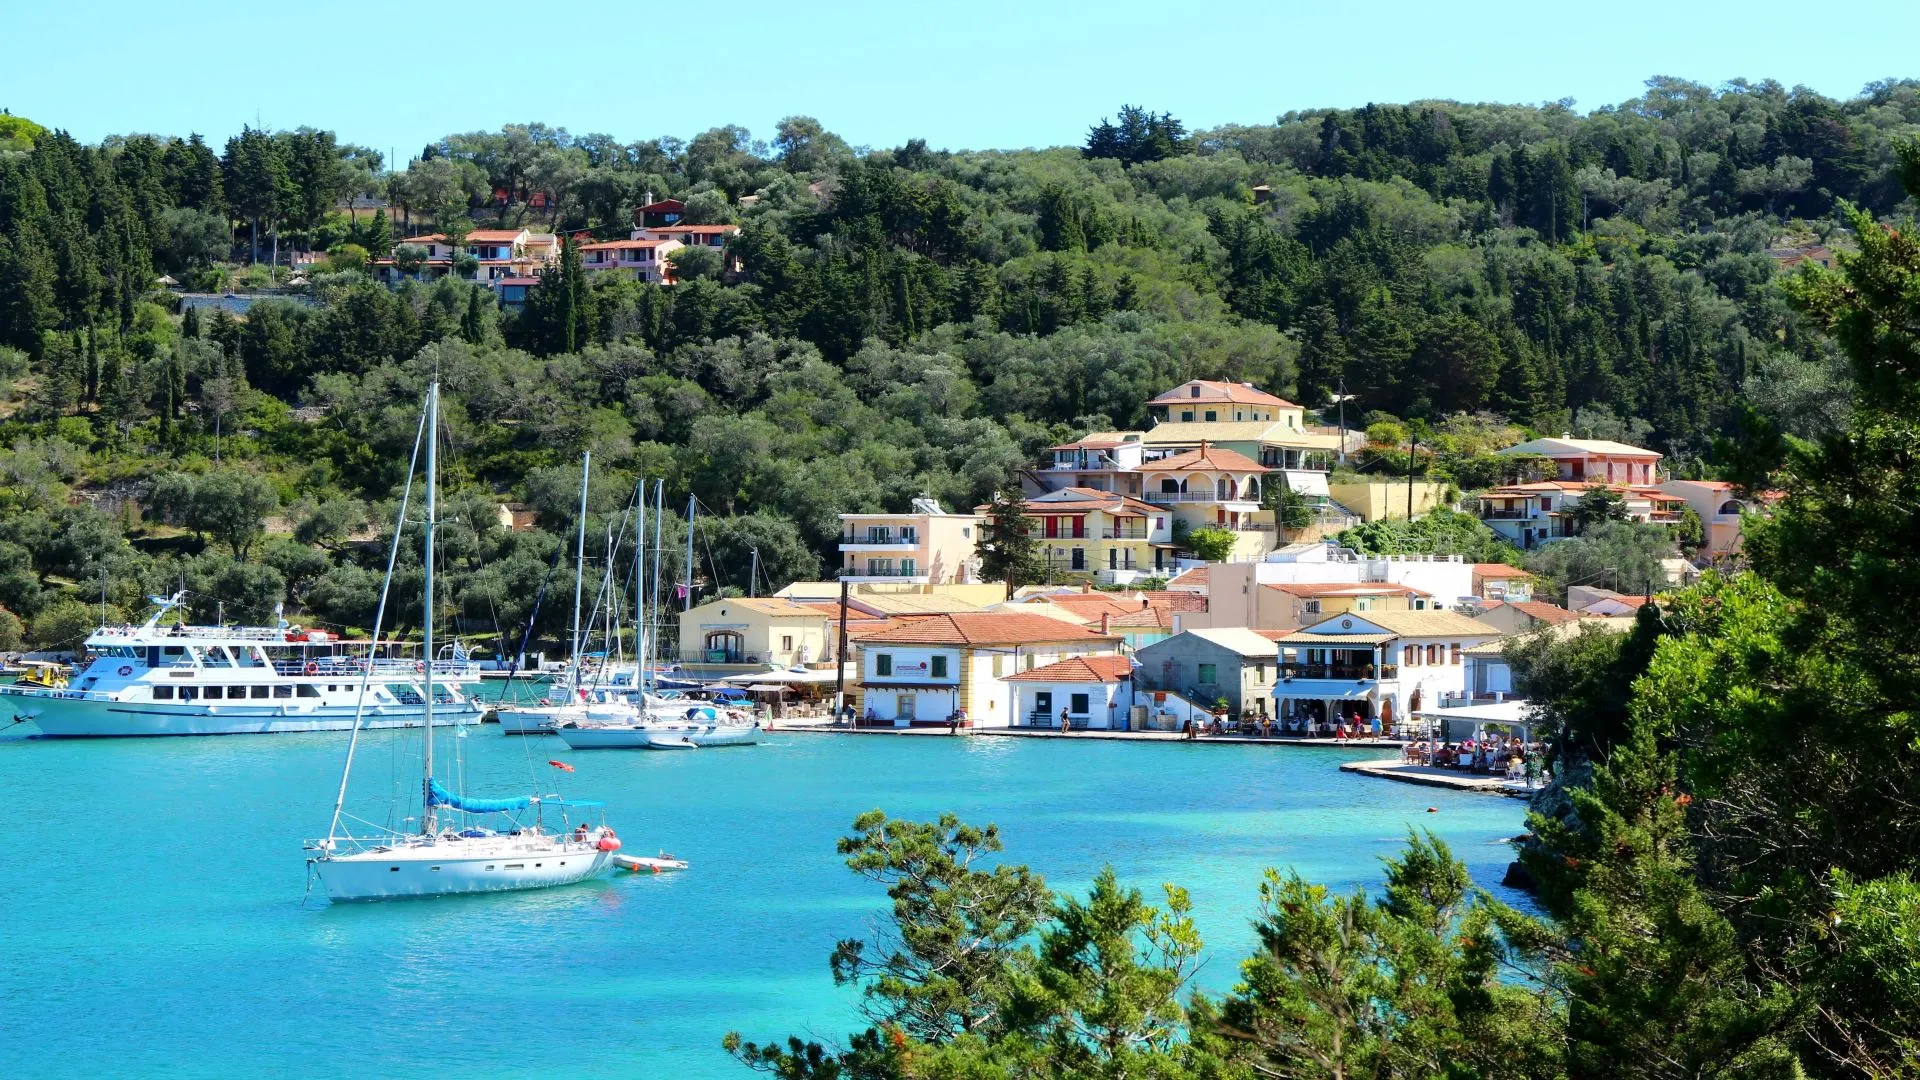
point(649, 971)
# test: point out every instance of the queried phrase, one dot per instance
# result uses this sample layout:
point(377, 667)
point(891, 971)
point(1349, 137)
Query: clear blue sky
point(989, 73)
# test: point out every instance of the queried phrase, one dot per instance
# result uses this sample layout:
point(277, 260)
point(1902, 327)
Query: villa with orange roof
point(1719, 506)
point(1528, 515)
point(499, 254)
point(927, 669)
point(1087, 532)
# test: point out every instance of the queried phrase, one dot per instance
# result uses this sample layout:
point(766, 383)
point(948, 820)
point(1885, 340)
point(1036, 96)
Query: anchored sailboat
point(479, 845)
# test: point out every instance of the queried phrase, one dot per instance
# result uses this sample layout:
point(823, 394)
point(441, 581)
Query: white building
point(925, 669)
point(1388, 664)
point(1095, 692)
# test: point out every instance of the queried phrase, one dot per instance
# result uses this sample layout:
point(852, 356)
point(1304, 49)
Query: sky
point(985, 74)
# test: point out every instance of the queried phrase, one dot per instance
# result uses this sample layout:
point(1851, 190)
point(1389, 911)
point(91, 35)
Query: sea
point(156, 918)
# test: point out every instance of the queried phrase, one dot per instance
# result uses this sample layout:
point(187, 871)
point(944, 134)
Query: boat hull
point(62, 718)
point(657, 738)
point(444, 870)
point(527, 721)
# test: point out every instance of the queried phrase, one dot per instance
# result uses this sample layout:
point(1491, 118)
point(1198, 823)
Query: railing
point(1193, 496)
point(1340, 671)
point(881, 539)
point(1506, 515)
point(381, 668)
point(1123, 534)
point(882, 571)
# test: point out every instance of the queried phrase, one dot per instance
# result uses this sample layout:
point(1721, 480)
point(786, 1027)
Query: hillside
point(887, 323)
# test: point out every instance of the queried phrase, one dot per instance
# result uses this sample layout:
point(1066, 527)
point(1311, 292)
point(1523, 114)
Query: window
point(1077, 704)
point(1409, 655)
point(309, 690)
point(1212, 416)
point(283, 691)
point(1310, 607)
point(1113, 558)
point(1433, 654)
point(1363, 603)
point(883, 664)
point(259, 691)
point(999, 665)
point(939, 667)
point(163, 693)
point(1208, 672)
point(1260, 673)
point(186, 693)
point(1186, 416)
point(966, 532)
point(1193, 391)
point(786, 642)
point(1456, 654)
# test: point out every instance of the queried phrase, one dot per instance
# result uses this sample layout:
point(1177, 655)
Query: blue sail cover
point(440, 796)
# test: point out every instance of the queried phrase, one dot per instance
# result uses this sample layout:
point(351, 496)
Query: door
point(1042, 707)
point(1079, 558)
point(903, 709)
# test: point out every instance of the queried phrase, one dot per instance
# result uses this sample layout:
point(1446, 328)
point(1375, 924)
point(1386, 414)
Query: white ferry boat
point(226, 680)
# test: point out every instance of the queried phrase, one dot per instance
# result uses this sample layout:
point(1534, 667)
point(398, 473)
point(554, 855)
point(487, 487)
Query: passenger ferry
point(226, 680)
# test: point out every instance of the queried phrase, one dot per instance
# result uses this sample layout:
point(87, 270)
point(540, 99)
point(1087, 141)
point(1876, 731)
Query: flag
point(561, 765)
point(278, 609)
point(460, 652)
point(679, 592)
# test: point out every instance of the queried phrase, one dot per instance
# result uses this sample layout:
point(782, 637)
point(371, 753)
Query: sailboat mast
point(426, 610)
point(579, 571)
point(640, 585)
point(659, 515)
point(688, 606)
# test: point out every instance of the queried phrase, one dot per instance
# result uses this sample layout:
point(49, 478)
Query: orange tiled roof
point(495, 236)
point(1086, 669)
point(1498, 570)
point(1206, 457)
point(1211, 390)
point(1195, 576)
point(981, 628)
point(1551, 614)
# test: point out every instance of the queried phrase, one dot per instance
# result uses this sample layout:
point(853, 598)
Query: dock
point(1078, 734)
point(1426, 775)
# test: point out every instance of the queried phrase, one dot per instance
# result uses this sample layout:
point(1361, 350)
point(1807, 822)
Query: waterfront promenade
point(1086, 734)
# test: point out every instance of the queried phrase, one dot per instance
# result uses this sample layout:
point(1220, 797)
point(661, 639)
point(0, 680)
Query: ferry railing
point(466, 670)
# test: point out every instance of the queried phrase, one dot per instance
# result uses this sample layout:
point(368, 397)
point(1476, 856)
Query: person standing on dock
point(1066, 721)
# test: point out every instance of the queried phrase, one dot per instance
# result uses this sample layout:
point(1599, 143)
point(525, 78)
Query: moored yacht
point(222, 680)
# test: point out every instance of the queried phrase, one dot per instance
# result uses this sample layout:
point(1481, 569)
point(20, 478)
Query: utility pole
point(840, 658)
point(753, 573)
point(1409, 476)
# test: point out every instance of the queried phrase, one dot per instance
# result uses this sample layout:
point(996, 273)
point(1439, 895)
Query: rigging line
point(379, 617)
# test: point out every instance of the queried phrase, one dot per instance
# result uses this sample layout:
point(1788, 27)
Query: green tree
point(1211, 544)
point(1009, 551)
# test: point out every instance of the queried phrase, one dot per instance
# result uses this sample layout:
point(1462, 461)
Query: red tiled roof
point(1498, 570)
point(982, 628)
point(1345, 588)
point(1211, 390)
point(495, 236)
point(1086, 669)
point(664, 205)
point(1206, 457)
point(1195, 576)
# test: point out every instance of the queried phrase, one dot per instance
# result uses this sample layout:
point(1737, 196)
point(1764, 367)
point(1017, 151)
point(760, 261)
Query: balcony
point(1508, 515)
point(873, 540)
point(1171, 497)
point(1355, 672)
point(884, 573)
point(1122, 534)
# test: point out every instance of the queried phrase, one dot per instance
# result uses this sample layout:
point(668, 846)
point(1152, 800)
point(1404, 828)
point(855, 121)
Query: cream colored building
point(758, 630)
point(925, 669)
point(1719, 508)
point(926, 545)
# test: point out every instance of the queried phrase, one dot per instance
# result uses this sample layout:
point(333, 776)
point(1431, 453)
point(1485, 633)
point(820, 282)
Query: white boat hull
point(69, 719)
point(658, 737)
point(528, 720)
point(492, 864)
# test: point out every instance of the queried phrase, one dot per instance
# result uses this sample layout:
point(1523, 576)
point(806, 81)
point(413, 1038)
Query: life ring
point(419, 667)
point(126, 670)
point(313, 668)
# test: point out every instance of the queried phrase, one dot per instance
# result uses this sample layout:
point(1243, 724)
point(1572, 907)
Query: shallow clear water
point(152, 924)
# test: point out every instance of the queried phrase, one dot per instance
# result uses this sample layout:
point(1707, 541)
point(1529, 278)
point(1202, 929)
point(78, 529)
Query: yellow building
point(758, 630)
point(1100, 533)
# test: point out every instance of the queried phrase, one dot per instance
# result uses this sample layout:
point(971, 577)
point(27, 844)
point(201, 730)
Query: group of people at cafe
point(1490, 752)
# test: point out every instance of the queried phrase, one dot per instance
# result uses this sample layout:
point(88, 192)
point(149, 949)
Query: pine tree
point(1009, 551)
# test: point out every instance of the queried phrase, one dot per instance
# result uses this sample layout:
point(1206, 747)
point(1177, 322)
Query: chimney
point(1086, 587)
point(1106, 621)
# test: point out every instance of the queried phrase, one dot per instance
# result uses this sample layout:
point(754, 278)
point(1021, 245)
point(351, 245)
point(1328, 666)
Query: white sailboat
point(479, 845)
point(563, 698)
point(654, 722)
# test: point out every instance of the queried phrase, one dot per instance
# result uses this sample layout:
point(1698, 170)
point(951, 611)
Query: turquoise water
point(153, 922)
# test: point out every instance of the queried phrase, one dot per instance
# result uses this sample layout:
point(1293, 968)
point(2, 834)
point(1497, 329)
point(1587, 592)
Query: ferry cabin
point(184, 665)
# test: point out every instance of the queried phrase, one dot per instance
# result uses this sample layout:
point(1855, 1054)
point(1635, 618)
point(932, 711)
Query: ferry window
point(174, 656)
point(163, 693)
point(259, 691)
point(217, 656)
point(215, 693)
point(283, 691)
point(186, 693)
point(309, 690)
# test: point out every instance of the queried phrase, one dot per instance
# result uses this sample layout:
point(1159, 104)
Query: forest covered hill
point(904, 321)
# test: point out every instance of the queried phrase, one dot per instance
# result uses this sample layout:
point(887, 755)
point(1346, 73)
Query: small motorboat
point(649, 864)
